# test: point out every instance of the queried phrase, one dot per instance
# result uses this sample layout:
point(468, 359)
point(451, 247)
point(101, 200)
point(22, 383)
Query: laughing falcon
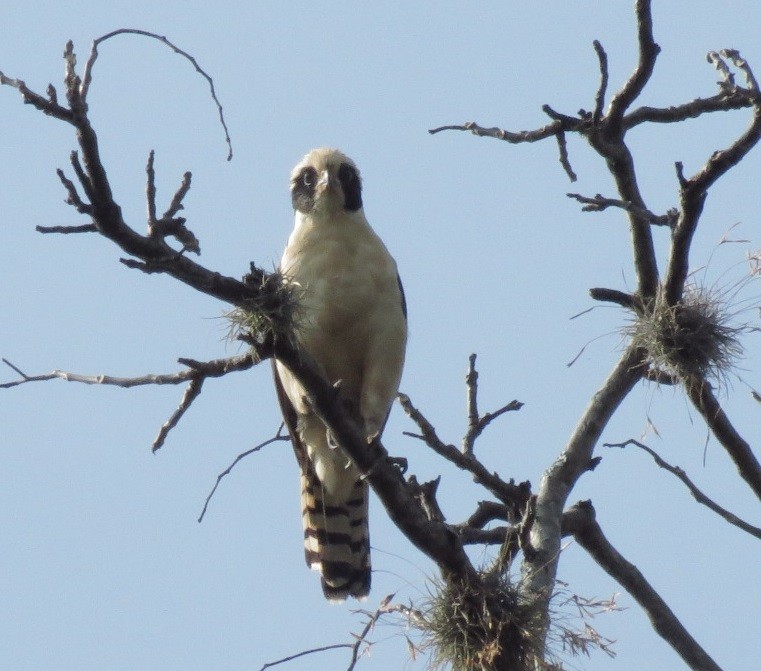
point(352, 321)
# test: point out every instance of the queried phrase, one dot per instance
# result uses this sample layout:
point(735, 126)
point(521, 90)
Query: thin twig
point(304, 653)
point(471, 384)
point(197, 372)
point(279, 436)
point(197, 369)
point(176, 204)
point(150, 189)
point(84, 228)
point(85, 181)
point(73, 198)
point(625, 300)
point(508, 492)
point(384, 608)
point(87, 78)
point(557, 128)
point(169, 225)
point(48, 105)
point(699, 496)
point(513, 137)
point(191, 393)
point(565, 161)
point(599, 203)
point(476, 423)
point(602, 57)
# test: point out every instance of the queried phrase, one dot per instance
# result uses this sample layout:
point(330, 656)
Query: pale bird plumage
point(353, 324)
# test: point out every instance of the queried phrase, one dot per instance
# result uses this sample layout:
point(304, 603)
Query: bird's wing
point(291, 420)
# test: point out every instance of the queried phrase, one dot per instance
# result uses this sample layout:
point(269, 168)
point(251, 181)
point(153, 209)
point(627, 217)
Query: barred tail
point(336, 537)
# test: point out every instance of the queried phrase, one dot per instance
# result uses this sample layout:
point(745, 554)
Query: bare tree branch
point(512, 137)
point(507, 492)
point(693, 193)
point(87, 79)
point(648, 53)
point(169, 225)
point(471, 383)
point(433, 538)
point(539, 568)
point(105, 212)
point(305, 653)
point(628, 301)
point(599, 203)
point(384, 608)
point(565, 161)
point(557, 129)
point(699, 496)
point(605, 132)
point(84, 228)
point(488, 511)
point(278, 437)
point(494, 536)
point(49, 106)
point(73, 198)
point(736, 446)
point(196, 370)
point(477, 423)
point(192, 391)
point(722, 102)
point(602, 57)
point(589, 535)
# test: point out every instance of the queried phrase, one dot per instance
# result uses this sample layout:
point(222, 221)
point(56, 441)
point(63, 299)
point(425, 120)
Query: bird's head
point(326, 180)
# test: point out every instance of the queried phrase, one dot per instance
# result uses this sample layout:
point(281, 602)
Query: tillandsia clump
point(477, 628)
point(693, 340)
point(272, 315)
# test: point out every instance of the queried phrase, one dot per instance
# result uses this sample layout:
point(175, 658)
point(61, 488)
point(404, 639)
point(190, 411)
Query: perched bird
point(352, 320)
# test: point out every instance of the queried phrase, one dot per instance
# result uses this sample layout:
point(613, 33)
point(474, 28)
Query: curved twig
point(87, 78)
point(279, 436)
point(698, 495)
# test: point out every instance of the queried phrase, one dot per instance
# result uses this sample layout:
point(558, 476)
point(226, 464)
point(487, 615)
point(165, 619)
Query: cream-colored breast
point(349, 284)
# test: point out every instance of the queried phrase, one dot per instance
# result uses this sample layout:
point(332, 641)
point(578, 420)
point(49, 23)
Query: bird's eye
point(309, 177)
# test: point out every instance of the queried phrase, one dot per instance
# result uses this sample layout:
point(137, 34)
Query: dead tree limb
point(539, 569)
point(589, 535)
point(724, 431)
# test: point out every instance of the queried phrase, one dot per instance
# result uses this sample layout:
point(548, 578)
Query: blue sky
point(103, 564)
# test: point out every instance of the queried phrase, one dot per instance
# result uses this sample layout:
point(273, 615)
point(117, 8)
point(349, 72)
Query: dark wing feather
point(401, 291)
point(290, 418)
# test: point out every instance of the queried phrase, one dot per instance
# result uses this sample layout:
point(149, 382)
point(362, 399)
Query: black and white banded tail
point(336, 537)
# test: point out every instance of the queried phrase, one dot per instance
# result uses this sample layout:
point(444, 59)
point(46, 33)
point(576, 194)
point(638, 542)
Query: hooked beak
point(326, 182)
